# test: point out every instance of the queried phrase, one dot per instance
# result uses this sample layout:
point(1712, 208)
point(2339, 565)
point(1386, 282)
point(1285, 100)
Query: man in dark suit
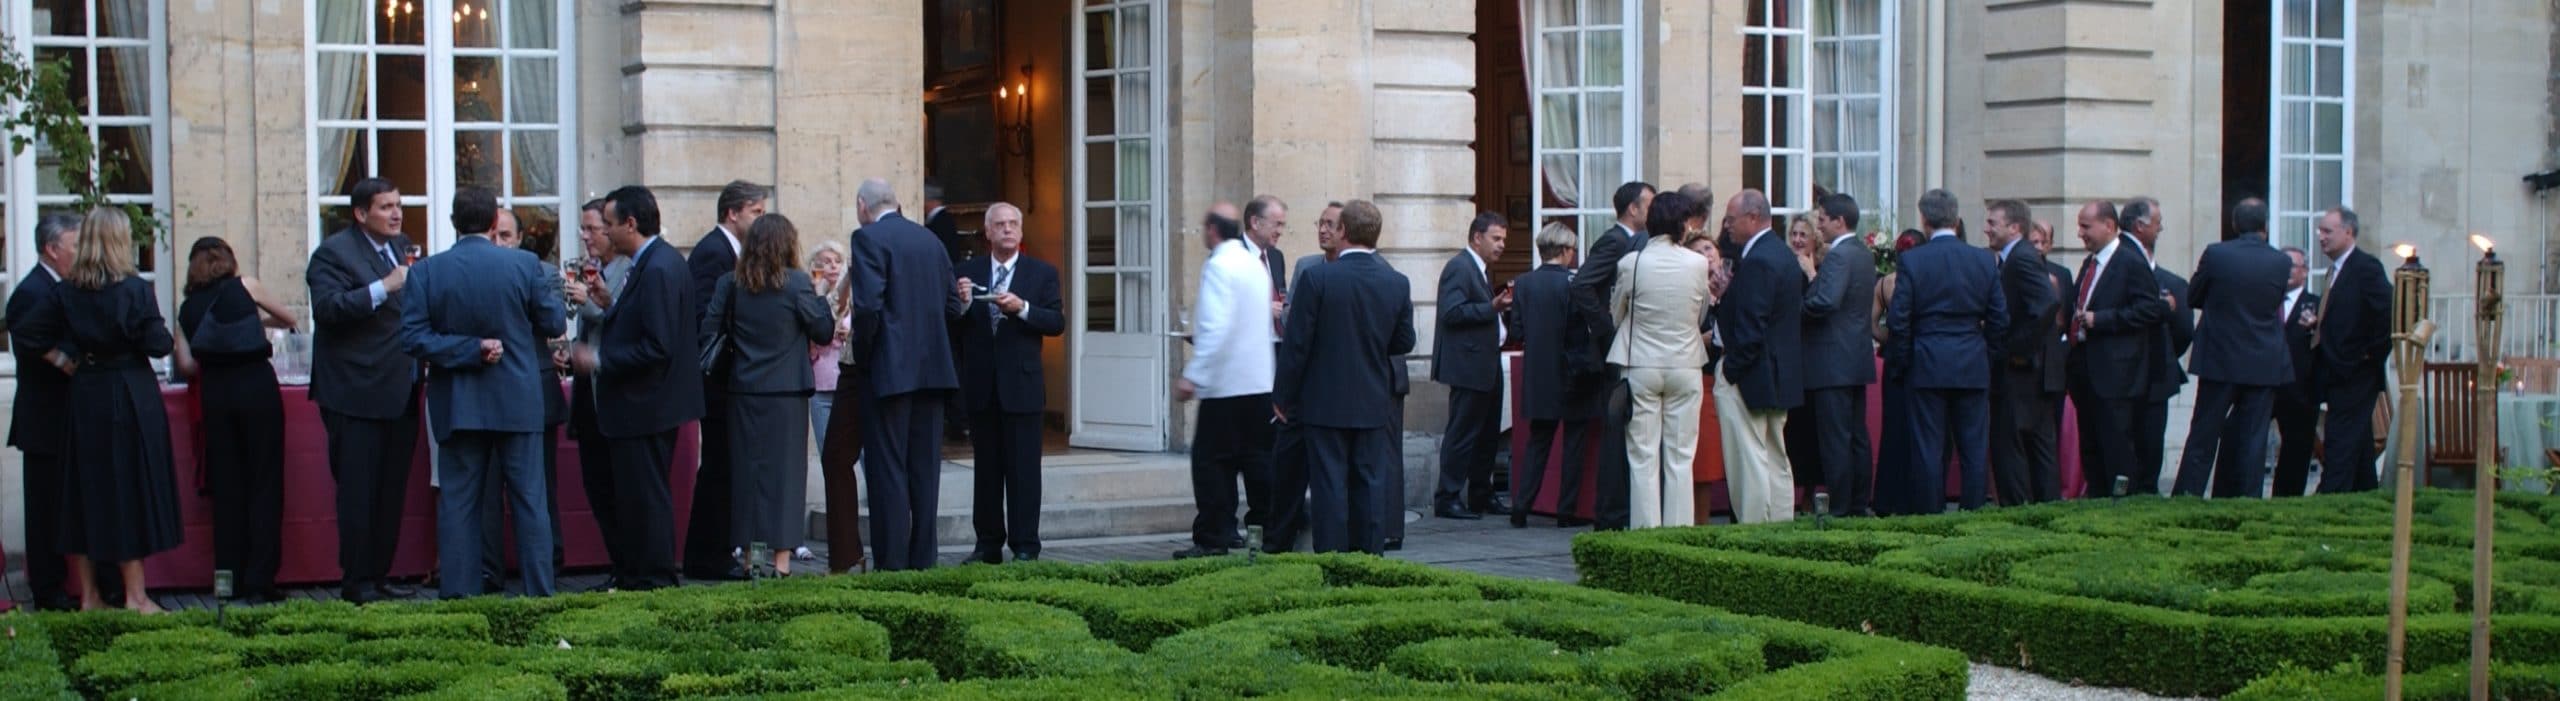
point(1596, 383)
point(2240, 358)
point(38, 421)
point(508, 233)
point(1760, 323)
point(2117, 342)
point(1542, 312)
point(1002, 383)
point(2297, 406)
point(706, 539)
point(945, 227)
point(1466, 355)
point(365, 385)
point(1289, 454)
point(477, 313)
point(2352, 341)
point(904, 298)
point(1336, 373)
point(2044, 440)
point(1840, 350)
point(647, 366)
point(2019, 407)
point(2141, 220)
point(1948, 322)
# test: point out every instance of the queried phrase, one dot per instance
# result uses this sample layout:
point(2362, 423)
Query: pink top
point(823, 359)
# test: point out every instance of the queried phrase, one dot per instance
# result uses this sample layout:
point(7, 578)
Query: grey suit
point(769, 383)
point(1840, 355)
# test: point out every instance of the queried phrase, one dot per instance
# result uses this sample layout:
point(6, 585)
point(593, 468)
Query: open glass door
point(1120, 350)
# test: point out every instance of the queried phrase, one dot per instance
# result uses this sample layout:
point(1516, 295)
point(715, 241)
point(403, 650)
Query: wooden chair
point(2452, 419)
point(2536, 375)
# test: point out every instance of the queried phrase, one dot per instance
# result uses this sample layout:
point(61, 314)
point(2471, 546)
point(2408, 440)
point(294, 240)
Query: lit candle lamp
point(2410, 332)
point(2488, 284)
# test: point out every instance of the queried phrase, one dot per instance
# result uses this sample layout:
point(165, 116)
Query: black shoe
point(1395, 544)
point(359, 596)
point(992, 556)
point(394, 591)
point(493, 585)
point(1519, 519)
point(1496, 506)
point(57, 602)
point(1026, 557)
point(733, 573)
point(1453, 511)
point(1197, 551)
point(610, 583)
point(1238, 542)
point(1571, 522)
point(262, 596)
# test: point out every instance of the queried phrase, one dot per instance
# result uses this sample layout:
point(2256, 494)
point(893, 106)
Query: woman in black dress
point(223, 347)
point(772, 313)
point(102, 327)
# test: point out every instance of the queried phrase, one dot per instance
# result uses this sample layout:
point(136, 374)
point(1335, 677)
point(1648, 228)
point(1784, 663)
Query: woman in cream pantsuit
point(1660, 297)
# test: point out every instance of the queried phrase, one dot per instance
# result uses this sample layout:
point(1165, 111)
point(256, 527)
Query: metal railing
point(2532, 328)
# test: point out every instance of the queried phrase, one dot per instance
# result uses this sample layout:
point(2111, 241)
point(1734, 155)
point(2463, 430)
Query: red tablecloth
point(1708, 469)
point(310, 506)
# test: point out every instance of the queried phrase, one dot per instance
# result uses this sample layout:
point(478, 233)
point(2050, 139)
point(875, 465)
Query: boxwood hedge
point(1288, 627)
point(2178, 596)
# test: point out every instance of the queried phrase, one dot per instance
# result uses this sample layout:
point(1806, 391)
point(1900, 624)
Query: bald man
point(2118, 347)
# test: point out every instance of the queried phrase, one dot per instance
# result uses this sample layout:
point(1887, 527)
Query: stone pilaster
point(697, 104)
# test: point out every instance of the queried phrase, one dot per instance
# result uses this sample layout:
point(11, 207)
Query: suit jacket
point(555, 406)
point(1661, 293)
point(2056, 364)
point(2125, 340)
point(2355, 333)
point(946, 229)
point(1346, 329)
point(1947, 315)
point(648, 374)
point(357, 367)
point(1761, 320)
point(2240, 285)
point(1541, 308)
point(2180, 334)
point(712, 257)
point(2300, 388)
point(1592, 287)
point(40, 418)
point(1466, 350)
point(1232, 349)
point(473, 291)
point(1838, 308)
point(770, 333)
point(1278, 262)
point(903, 305)
point(1000, 369)
point(2027, 290)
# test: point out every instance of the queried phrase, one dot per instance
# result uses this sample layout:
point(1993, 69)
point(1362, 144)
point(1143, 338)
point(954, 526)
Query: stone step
point(1065, 520)
point(1068, 479)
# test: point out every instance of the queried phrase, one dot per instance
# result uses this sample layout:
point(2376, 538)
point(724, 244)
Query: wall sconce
point(1013, 107)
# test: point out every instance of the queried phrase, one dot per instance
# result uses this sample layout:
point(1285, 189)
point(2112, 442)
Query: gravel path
point(2004, 684)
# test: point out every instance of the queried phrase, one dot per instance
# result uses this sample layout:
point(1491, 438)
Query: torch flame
point(2405, 251)
point(2483, 242)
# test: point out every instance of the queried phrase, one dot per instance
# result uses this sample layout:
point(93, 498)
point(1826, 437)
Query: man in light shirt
point(1231, 373)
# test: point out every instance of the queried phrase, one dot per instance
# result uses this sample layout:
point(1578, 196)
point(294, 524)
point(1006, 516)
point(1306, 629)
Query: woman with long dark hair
point(772, 314)
point(222, 345)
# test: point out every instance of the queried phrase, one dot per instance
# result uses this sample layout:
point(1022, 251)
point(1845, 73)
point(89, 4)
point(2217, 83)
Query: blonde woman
point(826, 270)
point(102, 327)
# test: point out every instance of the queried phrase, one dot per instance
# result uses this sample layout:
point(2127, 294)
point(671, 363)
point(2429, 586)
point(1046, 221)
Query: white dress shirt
point(1231, 341)
point(1003, 270)
point(1501, 333)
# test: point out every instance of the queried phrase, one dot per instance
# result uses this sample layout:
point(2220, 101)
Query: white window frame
point(1872, 206)
point(439, 52)
point(1771, 89)
point(1591, 215)
point(26, 205)
point(2292, 203)
point(1133, 358)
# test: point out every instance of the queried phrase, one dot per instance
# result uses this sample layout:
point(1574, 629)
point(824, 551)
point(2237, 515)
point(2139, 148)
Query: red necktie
point(2087, 267)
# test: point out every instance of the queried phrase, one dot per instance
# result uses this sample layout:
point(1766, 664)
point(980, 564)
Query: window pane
point(2297, 70)
point(1862, 67)
point(1135, 104)
point(1561, 52)
point(1782, 121)
point(413, 223)
point(1826, 174)
point(1099, 106)
point(124, 81)
point(1607, 120)
point(1784, 170)
point(473, 28)
point(1755, 121)
point(1601, 174)
point(1827, 71)
point(1134, 249)
point(540, 224)
point(533, 24)
point(1562, 172)
point(2296, 128)
point(1604, 12)
point(1098, 160)
point(1133, 37)
point(342, 82)
point(1101, 303)
point(1785, 69)
point(1826, 126)
point(2333, 19)
point(1557, 13)
point(345, 155)
point(405, 27)
point(2297, 17)
point(1862, 177)
point(1864, 124)
point(1593, 225)
point(127, 151)
point(2333, 71)
point(2327, 187)
point(2297, 185)
point(2328, 128)
point(478, 158)
point(479, 90)
point(1101, 237)
point(62, 18)
point(403, 80)
point(1755, 173)
point(342, 21)
point(535, 156)
point(1100, 41)
point(1133, 302)
point(75, 65)
point(533, 91)
point(1135, 185)
point(1605, 63)
point(1560, 124)
point(404, 159)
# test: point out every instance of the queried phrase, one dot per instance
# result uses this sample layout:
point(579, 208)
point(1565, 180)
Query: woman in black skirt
point(223, 347)
point(772, 314)
point(103, 327)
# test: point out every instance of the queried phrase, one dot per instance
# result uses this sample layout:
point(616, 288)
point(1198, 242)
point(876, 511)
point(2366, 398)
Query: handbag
point(715, 350)
point(241, 336)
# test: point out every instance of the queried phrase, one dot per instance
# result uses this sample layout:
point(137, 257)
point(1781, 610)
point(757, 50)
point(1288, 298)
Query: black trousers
point(1287, 501)
point(2019, 409)
point(595, 474)
point(493, 495)
point(2106, 439)
point(1466, 449)
point(1348, 479)
point(2044, 448)
point(902, 460)
point(2226, 449)
point(1848, 460)
point(1950, 417)
point(642, 534)
point(706, 536)
point(2297, 430)
point(2150, 445)
point(244, 466)
point(370, 460)
point(1006, 506)
point(1615, 407)
point(1232, 437)
point(2349, 465)
point(1529, 472)
point(1392, 508)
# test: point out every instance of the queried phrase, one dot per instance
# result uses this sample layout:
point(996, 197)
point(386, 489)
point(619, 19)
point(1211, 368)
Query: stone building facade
point(1114, 123)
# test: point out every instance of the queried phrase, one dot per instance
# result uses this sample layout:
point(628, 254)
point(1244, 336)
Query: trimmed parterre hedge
point(2169, 596)
point(1310, 627)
